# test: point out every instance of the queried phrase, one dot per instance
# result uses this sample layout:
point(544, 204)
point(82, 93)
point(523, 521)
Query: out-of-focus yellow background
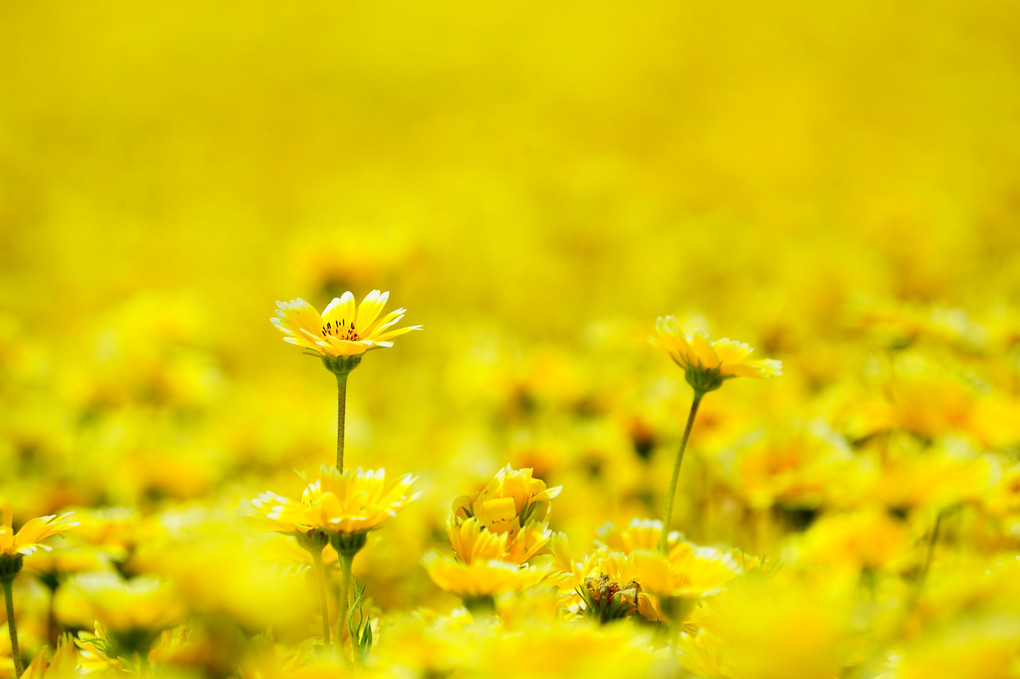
point(536, 183)
point(609, 158)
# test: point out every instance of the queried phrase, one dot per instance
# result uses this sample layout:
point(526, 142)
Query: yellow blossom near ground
point(536, 184)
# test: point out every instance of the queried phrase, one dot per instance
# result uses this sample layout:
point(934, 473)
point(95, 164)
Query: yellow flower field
point(715, 369)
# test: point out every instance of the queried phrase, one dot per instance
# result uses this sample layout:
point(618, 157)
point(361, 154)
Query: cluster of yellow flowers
point(493, 535)
point(837, 534)
point(546, 481)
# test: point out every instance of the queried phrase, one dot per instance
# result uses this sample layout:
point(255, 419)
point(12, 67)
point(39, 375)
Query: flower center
point(340, 331)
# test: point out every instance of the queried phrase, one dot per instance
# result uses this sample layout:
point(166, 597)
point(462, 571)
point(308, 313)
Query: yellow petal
point(6, 515)
point(498, 515)
point(369, 310)
point(703, 350)
point(730, 351)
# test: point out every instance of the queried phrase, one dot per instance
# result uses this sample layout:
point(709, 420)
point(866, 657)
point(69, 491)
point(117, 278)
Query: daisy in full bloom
point(340, 336)
point(343, 328)
point(706, 363)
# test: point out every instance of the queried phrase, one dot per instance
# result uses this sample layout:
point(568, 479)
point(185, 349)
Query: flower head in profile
point(28, 539)
point(132, 613)
point(344, 329)
point(480, 578)
point(708, 364)
point(344, 505)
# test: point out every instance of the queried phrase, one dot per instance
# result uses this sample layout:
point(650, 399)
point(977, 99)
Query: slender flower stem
point(341, 416)
point(19, 667)
point(932, 540)
point(320, 576)
point(664, 542)
point(341, 613)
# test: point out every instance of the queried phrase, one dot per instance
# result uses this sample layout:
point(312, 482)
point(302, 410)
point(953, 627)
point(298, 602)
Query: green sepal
point(10, 565)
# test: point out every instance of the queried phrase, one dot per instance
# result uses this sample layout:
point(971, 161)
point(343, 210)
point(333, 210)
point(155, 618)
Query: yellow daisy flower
point(340, 336)
point(706, 366)
point(29, 538)
point(13, 548)
point(706, 363)
point(607, 599)
point(605, 586)
point(692, 574)
point(480, 579)
point(472, 542)
point(343, 329)
point(344, 505)
point(508, 502)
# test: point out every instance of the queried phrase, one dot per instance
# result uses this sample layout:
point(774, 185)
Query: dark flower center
point(340, 331)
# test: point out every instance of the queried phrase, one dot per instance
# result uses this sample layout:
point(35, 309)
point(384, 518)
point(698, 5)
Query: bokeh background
point(536, 183)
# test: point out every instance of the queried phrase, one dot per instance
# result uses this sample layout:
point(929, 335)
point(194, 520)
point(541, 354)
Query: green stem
point(345, 590)
point(664, 542)
point(320, 576)
point(19, 667)
point(341, 416)
point(932, 540)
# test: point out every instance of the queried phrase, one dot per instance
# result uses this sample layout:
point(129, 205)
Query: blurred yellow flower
point(342, 329)
point(932, 477)
point(133, 612)
point(480, 578)
point(707, 364)
point(29, 538)
point(575, 651)
point(50, 565)
point(865, 538)
point(765, 628)
point(975, 647)
point(641, 534)
point(700, 654)
point(793, 465)
point(695, 573)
